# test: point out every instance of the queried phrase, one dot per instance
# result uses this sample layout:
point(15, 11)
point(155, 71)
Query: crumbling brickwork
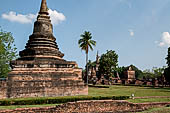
point(3, 88)
point(45, 85)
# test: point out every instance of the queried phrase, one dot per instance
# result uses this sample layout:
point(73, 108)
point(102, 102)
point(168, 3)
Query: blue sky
point(138, 30)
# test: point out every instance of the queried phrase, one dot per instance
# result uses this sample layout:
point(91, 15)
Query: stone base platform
point(45, 82)
point(100, 106)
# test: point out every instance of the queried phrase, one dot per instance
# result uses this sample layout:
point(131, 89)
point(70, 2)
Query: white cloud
point(131, 32)
point(165, 39)
point(56, 17)
point(23, 19)
point(12, 16)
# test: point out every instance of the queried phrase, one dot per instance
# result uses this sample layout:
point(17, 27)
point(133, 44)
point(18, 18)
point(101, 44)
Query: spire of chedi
point(42, 42)
point(43, 24)
point(43, 9)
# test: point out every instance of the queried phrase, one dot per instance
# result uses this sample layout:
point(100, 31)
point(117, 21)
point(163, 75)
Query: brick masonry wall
point(3, 89)
point(100, 106)
point(43, 84)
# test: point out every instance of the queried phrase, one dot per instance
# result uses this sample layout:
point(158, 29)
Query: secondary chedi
point(41, 70)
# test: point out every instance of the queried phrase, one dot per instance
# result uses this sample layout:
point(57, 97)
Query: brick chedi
point(41, 70)
point(130, 75)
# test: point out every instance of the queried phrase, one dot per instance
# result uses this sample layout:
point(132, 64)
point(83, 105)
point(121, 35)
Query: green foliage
point(7, 52)
point(120, 97)
point(108, 63)
point(167, 70)
point(155, 73)
point(91, 64)
point(57, 100)
point(86, 41)
point(158, 72)
point(167, 74)
point(147, 74)
point(168, 57)
point(138, 72)
point(121, 71)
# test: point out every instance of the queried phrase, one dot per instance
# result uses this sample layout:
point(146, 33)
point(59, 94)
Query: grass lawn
point(149, 100)
point(26, 106)
point(119, 90)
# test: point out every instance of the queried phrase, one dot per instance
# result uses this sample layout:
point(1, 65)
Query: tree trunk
point(87, 72)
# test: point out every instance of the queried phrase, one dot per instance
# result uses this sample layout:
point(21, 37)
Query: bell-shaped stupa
point(41, 70)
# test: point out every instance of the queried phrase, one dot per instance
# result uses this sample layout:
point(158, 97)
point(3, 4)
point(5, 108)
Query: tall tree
point(167, 70)
point(108, 63)
point(86, 43)
point(168, 57)
point(158, 72)
point(121, 71)
point(148, 74)
point(7, 52)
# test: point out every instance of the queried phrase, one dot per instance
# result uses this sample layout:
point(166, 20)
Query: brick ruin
point(93, 106)
point(129, 76)
point(41, 70)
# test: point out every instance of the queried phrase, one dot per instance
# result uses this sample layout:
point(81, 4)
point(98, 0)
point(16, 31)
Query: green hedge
point(57, 100)
point(99, 86)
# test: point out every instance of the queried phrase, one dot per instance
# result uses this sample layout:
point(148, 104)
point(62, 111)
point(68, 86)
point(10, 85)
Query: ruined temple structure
point(130, 76)
point(41, 70)
point(93, 70)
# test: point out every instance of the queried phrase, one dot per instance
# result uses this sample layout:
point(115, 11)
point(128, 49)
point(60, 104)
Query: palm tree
point(85, 43)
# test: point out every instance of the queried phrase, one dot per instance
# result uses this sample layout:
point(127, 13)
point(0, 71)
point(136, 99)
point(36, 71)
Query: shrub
point(57, 100)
